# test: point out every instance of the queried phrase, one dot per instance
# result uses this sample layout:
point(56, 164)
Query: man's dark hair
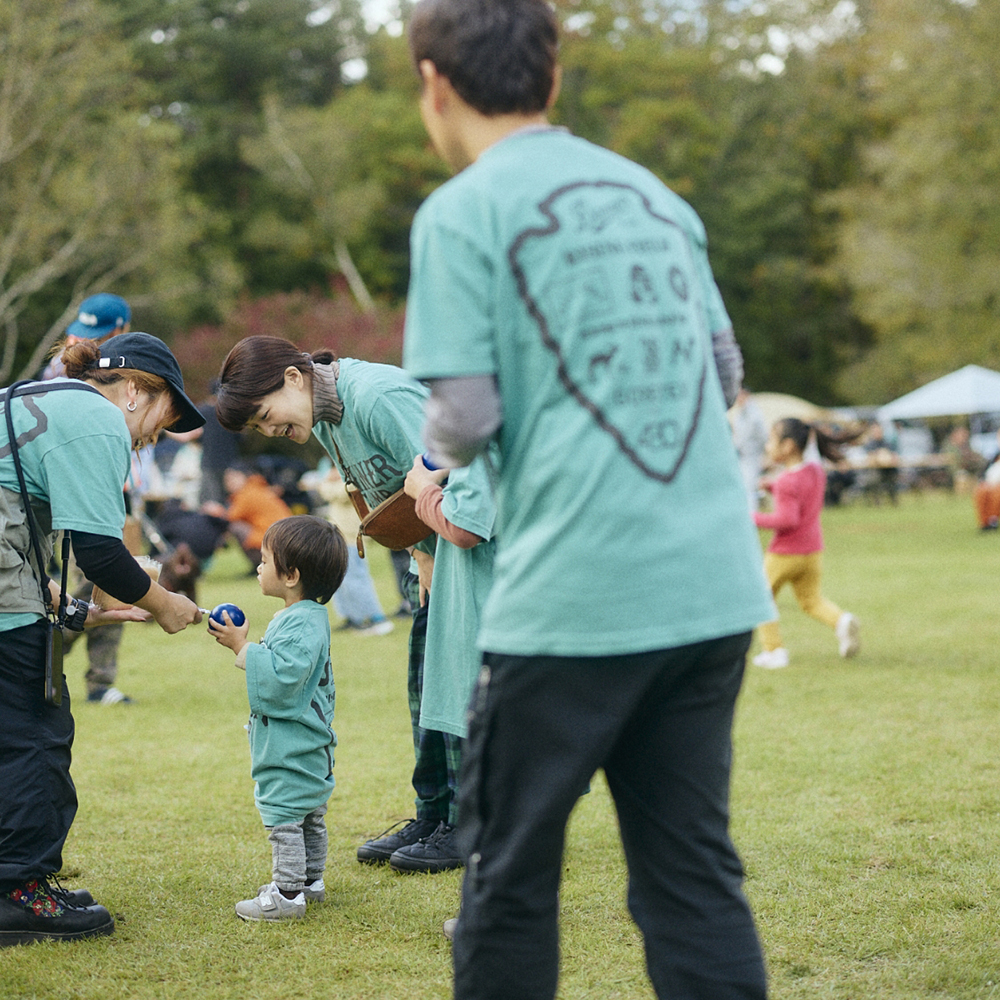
point(499, 55)
point(315, 548)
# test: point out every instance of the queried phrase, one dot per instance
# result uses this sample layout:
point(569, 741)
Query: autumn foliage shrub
point(311, 320)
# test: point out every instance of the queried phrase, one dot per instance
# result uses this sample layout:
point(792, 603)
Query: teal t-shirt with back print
point(582, 284)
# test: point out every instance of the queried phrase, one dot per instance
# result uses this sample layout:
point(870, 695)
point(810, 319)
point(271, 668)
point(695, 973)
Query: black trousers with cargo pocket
point(659, 724)
point(37, 795)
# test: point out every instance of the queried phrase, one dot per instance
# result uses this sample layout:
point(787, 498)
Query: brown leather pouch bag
point(394, 523)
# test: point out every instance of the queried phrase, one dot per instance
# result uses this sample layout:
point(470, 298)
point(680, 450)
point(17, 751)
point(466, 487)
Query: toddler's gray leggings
point(298, 850)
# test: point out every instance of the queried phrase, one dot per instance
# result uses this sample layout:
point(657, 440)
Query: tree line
point(219, 160)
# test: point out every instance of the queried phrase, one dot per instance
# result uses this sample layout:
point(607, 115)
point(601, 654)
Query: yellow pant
point(803, 573)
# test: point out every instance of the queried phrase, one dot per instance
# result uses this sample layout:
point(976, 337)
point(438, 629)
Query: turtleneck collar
point(327, 406)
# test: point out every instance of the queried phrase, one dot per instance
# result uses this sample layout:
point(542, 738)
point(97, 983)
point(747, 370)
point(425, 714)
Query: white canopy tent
point(778, 405)
point(970, 390)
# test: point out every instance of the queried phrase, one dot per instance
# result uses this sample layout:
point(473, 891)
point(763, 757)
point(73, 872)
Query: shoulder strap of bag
point(27, 387)
point(356, 497)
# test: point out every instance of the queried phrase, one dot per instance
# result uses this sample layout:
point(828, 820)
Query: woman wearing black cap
point(74, 437)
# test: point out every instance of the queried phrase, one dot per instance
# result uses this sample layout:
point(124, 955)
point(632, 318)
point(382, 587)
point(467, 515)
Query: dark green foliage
point(844, 162)
point(210, 66)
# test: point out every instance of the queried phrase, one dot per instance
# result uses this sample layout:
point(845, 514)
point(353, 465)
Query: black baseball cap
point(146, 353)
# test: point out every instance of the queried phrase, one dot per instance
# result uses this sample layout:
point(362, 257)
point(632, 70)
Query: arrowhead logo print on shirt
point(40, 427)
point(613, 288)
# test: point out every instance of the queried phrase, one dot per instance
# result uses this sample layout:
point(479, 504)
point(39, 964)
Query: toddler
point(290, 687)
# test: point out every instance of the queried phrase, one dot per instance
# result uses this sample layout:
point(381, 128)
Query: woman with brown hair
point(72, 440)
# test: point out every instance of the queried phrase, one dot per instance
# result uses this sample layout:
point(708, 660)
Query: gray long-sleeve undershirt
point(464, 413)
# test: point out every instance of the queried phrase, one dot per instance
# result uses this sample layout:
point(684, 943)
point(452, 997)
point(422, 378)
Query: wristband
point(75, 621)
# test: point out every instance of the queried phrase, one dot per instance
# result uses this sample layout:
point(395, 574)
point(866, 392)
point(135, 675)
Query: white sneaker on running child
point(848, 634)
point(772, 659)
point(269, 904)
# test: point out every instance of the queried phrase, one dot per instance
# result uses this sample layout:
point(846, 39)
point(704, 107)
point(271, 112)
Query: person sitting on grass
point(254, 505)
point(291, 692)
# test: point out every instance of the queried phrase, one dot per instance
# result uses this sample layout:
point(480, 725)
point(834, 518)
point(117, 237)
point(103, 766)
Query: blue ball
point(236, 616)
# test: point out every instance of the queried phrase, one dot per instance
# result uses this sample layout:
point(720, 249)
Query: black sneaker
point(78, 897)
point(36, 911)
point(436, 853)
point(381, 849)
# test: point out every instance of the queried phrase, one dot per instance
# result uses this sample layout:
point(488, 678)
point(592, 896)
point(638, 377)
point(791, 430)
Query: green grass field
point(866, 805)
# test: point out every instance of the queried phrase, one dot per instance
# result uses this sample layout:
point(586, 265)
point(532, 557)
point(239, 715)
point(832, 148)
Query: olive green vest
point(20, 586)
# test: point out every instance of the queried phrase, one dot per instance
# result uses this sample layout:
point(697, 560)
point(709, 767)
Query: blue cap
point(100, 315)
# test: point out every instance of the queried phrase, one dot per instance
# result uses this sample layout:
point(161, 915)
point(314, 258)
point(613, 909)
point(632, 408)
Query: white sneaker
point(449, 928)
point(381, 627)
point(772, 659)
point(109, 696)
point(269, 904)
point(314, 893)
point(848, 634)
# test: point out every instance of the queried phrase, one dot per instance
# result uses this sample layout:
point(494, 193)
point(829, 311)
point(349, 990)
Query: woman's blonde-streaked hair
point(80, 360)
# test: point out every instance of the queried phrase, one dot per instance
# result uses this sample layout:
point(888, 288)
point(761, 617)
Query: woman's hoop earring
point(130, 406)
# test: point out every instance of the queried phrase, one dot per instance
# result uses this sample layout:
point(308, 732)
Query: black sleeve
point(105, 561)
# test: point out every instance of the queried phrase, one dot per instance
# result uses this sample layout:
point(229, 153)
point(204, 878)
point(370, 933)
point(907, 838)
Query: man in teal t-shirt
point(561, 299)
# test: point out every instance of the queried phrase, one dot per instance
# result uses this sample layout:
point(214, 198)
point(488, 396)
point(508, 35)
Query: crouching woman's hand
point(172, 612)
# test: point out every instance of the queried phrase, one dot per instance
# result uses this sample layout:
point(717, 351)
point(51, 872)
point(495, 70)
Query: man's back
point(584, 286)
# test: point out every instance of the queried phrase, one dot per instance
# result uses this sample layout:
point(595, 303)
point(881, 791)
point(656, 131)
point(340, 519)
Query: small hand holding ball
point(229, 626)
point(236, 615)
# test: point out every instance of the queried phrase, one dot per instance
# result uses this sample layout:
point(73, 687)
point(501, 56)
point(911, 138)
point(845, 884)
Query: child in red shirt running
point(795, 553)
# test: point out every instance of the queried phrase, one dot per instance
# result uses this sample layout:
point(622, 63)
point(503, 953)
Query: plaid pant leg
point(453, 764)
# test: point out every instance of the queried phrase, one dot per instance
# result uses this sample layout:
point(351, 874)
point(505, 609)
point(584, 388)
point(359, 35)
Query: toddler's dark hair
point(798, 431)
point(315, 548)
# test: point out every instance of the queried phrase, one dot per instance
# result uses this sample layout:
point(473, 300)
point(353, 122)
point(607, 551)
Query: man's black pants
point(660, 726)
point(37, 797)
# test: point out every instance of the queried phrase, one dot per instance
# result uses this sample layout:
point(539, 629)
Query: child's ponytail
point(802, 434)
